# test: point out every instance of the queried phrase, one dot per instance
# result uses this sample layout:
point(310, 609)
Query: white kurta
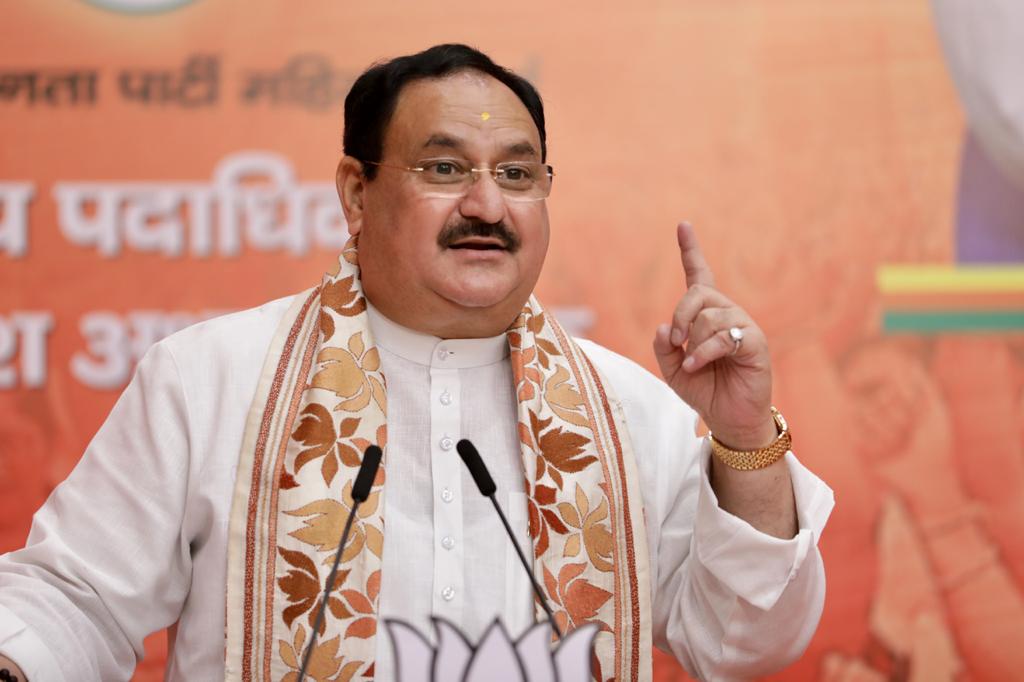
point(135, 539)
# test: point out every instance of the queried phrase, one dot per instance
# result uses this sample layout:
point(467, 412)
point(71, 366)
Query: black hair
point(370, 103)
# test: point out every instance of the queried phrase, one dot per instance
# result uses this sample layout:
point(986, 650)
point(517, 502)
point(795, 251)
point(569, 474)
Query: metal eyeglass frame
point(493, 172)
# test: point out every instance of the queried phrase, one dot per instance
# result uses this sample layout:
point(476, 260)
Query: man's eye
point(516, 173)
point(443, 168)
point(443, 171)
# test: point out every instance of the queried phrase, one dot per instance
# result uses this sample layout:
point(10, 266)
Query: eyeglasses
point(451, 178)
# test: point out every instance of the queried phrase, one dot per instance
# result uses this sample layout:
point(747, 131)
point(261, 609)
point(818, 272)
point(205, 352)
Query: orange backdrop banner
point(164, 161)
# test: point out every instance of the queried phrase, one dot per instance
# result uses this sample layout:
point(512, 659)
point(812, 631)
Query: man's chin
point(480, 287)
point(476, 300)
point(483, 298)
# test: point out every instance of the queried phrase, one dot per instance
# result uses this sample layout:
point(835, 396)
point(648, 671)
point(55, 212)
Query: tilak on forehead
point(485, 115)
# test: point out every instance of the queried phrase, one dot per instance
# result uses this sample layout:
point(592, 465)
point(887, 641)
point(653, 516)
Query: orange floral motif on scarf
point(322, 399)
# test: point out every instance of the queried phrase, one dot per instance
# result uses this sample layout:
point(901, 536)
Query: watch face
point(780, 421)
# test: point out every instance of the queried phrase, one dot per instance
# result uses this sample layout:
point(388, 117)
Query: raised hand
point(728, 383)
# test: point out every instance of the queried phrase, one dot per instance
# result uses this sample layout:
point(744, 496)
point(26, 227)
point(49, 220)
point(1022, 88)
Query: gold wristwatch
point(748, 460)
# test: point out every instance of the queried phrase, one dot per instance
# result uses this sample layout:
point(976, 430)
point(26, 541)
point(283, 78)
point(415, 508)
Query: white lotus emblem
point(495, 659)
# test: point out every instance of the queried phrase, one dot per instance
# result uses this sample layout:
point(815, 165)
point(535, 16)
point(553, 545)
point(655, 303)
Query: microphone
point(360, 491)
point(483, 480)
point(367, 472)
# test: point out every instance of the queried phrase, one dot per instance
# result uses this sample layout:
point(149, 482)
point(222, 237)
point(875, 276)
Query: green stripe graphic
point(939, 321)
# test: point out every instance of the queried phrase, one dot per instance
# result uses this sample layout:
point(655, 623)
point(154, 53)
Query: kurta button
point(447, 443)
point(447, 542)
point(446, 398)
point(447, 495)
point(442, 353)
point(448, 593)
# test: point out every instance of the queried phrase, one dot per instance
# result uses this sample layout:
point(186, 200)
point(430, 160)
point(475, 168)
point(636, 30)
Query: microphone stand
point(529, 572)
point(478, 470)
point(327, 591)
point(360, 491)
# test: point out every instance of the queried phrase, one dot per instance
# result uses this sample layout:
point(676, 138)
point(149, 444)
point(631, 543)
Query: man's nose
point(484, 200)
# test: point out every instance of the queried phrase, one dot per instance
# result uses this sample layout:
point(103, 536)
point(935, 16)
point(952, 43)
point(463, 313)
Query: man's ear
point(351, 184)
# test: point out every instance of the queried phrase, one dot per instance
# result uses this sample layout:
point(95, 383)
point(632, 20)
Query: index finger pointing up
point(696, 268)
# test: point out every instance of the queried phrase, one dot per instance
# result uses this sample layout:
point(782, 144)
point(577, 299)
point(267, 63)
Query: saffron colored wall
point(157, 167)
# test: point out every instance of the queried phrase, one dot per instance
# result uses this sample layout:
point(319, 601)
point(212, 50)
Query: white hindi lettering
point(253, 202)
point(115, 342)
point(107, 362)
point(23, 338)
point(14, 201)
point(99, 229)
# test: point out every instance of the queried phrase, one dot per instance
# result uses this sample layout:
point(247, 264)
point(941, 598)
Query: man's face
point(430, 262)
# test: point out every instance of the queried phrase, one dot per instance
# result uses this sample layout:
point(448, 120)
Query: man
point(634, 526)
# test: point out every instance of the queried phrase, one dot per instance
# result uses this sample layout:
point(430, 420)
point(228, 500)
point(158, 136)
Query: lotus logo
point(139, 6)
point(495, 659)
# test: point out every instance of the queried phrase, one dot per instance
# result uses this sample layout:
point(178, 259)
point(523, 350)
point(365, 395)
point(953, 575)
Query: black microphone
point(367, 472)
point(483, 480)
point(360, 491)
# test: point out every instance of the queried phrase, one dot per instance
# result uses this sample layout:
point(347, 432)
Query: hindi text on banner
point(254, 201)
point(23, 348)
point(14, 200)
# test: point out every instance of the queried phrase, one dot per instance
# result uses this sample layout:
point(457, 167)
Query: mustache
point(477, 228)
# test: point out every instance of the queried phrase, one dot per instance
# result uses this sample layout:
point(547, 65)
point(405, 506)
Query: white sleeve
point(106, 563)
point(729, 602)
point(732, 602)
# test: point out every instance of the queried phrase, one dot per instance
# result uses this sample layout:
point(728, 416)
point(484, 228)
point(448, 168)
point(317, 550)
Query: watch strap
point(749, 460)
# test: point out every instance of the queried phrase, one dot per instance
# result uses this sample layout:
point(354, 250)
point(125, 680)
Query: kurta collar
point(432, 351)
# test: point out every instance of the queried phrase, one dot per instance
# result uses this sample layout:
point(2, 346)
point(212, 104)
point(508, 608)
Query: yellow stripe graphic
point(894, 279)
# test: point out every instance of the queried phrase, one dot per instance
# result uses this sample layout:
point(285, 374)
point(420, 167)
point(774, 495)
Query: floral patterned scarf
point(322, 399)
